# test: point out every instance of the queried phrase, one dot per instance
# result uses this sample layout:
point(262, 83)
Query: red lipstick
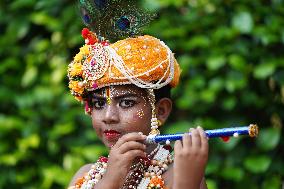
point(111, 134)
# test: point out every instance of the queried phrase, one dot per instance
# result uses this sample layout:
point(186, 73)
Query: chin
point(109, 144)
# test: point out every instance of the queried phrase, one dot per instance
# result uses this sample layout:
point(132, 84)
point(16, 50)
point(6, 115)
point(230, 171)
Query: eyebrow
point(98, 96)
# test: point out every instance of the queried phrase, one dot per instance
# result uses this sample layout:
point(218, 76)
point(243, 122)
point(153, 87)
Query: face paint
point(140, 113)
point(130, 111)
point(107, 94)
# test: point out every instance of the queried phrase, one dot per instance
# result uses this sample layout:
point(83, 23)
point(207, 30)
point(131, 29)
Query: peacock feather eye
point(123, 23)
point(85, 16)
point(87, 19)
point(114, 19)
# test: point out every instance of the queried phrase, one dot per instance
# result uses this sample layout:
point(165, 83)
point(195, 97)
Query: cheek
point(95, 123)
point(141, 115)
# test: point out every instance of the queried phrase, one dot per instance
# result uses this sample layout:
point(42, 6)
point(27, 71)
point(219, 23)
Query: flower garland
point(146, 174)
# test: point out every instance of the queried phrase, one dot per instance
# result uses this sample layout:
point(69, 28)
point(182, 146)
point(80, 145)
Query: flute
point(251, 130)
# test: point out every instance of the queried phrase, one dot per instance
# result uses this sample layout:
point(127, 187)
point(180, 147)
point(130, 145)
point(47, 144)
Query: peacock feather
point(114, 19)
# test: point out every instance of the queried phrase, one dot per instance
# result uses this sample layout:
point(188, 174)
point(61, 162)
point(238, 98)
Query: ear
point(163, 109)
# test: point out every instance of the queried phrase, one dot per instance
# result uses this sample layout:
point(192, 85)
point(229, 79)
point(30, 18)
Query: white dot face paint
point(140, 113)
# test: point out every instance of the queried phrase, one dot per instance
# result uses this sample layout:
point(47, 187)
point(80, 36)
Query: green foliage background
point(232, 57)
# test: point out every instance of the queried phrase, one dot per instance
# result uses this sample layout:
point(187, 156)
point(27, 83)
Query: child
point(125, 87)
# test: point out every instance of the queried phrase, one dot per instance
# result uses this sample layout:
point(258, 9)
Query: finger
point(132, 154)
point(187, 141)
point(130, 137)
point(177, 146)
point(131, 145)
point(204, 140)
point(196, 141)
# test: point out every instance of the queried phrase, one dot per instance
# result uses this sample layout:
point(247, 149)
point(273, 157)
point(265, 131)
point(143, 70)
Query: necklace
point(146, 174)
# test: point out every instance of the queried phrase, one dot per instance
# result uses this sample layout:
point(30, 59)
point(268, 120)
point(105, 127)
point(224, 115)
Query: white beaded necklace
point(159, 164)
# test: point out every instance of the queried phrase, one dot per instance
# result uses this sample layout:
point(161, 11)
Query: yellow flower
point(78, 57)
point(76, 69)
point(85, 50)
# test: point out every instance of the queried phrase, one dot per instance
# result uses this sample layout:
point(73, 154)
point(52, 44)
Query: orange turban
point(144, 61)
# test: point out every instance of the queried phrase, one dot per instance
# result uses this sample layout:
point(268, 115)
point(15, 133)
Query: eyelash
point(132, 103)
point(100, 104)
point(97, 102)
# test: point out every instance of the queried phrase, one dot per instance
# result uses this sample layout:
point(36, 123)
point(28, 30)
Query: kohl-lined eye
point(127, 103)
point(99, 104)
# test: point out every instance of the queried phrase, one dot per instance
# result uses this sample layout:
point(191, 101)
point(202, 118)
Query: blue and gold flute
point(251, 130)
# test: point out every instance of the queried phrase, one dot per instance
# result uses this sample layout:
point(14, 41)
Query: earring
point(154, 120)
point(159, 123)
point(88, 110)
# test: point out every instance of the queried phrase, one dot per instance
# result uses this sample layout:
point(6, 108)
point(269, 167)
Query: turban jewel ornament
point(144, 61)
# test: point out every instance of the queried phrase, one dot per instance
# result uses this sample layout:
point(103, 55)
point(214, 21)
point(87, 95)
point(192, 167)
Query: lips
point(111, 134)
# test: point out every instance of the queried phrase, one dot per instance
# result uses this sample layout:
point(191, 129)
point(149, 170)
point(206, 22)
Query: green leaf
point(237, 62)
point(208, 95)
point(232, 173)
point(229, 103)
point(234, 81)
point(180, 126)
point(29, 76)
point(257, 164)
point(31, 141)
point(197, 41)
point(264, 70)
point(184, 62)
point(268, 138)
point(215, 62)
point(216, 84)
point(243, 22)
point(211, 184)
point(61, 130)
point(274, 182)
point(71, 160)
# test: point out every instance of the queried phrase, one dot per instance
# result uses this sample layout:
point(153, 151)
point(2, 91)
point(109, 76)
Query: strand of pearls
point(118, 62)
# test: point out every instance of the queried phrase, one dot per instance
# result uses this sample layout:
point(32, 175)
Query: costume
point(144, 61)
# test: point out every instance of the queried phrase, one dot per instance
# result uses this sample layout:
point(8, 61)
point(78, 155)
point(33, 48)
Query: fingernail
point(205, 135)
point(199, 127)
point(140, 133)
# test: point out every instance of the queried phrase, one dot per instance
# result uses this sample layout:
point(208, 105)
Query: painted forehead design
point(120, 91)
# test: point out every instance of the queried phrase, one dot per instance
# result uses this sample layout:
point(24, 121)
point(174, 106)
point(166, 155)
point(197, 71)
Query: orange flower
point(74, 85)
point(79, 98)
point(157, 181)
point(79, 182)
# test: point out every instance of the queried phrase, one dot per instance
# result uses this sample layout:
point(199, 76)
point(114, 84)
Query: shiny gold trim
point(253, 130)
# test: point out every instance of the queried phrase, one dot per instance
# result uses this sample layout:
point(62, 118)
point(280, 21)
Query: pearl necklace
point(146, 174)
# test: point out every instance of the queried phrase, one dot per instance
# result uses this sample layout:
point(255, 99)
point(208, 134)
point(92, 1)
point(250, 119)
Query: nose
point(111, 115)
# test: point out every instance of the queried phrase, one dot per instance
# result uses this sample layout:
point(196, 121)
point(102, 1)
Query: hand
point(191, 155)
point(121, 156)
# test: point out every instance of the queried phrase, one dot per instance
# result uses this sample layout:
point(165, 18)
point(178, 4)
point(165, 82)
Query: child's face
point(128, 111)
